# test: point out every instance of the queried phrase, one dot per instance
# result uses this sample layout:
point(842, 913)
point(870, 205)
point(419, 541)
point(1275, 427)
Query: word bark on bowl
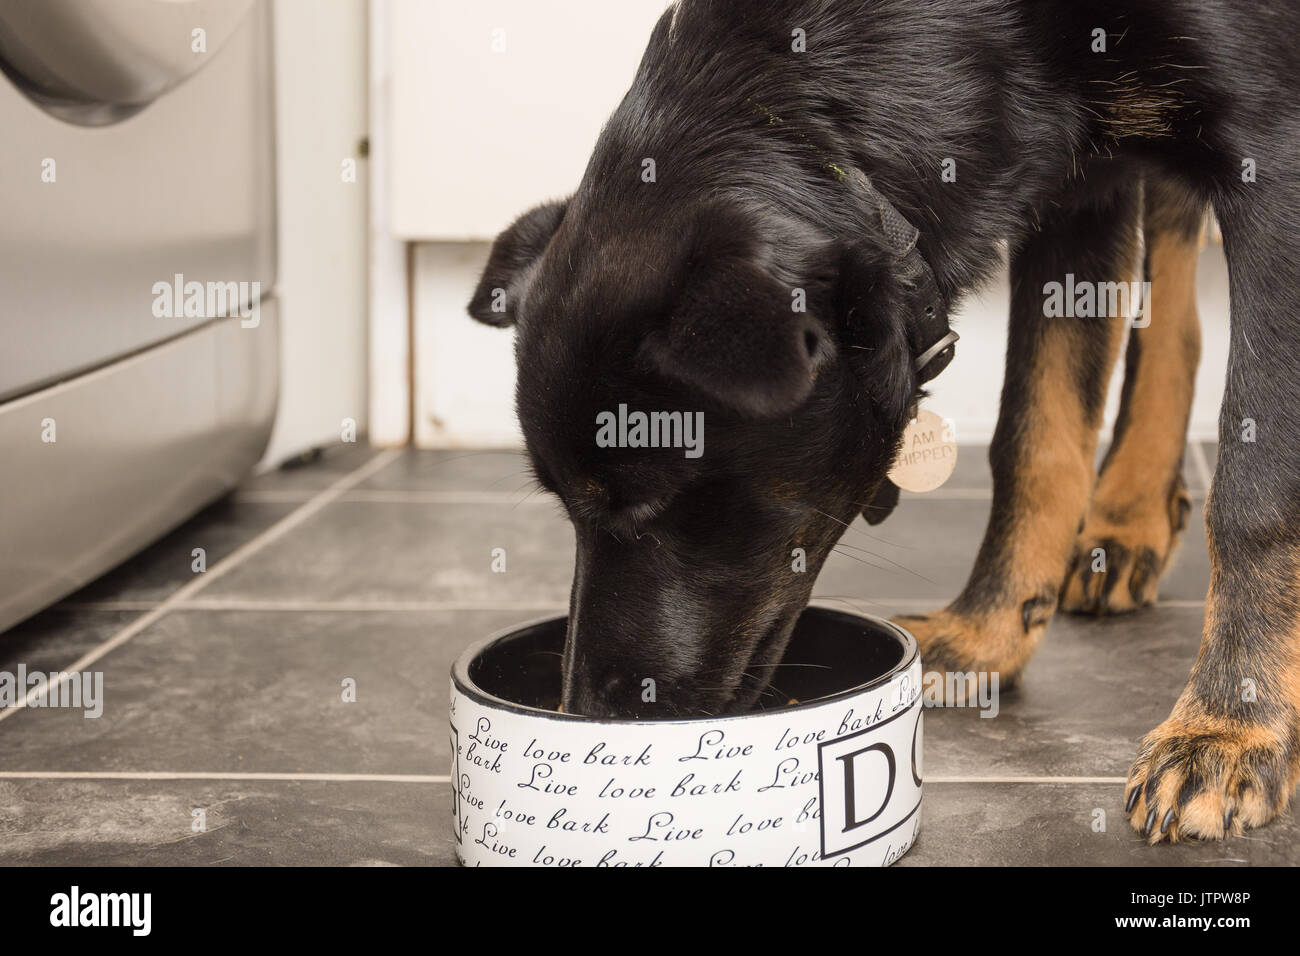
point(833, 779)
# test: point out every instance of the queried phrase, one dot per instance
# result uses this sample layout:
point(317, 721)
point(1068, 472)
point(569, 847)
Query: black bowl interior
point(830, 652)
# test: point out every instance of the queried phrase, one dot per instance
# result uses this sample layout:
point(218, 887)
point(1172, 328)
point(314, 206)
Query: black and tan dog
point(771, 231)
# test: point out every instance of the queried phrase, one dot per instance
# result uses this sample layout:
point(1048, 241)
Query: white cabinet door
point(497, 104)
point(320, 52)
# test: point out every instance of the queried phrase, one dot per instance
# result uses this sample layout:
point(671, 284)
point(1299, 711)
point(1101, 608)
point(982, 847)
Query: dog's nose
point(598, 693)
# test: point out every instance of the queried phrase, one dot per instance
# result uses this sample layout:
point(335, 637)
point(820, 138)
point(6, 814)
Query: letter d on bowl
point(870, 781)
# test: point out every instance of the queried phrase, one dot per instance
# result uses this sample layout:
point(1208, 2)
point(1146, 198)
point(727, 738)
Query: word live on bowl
point(825, 772)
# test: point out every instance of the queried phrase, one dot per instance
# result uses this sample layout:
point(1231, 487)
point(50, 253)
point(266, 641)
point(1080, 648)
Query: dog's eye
point(633, 516)
point(587, 501)
point(633, 521)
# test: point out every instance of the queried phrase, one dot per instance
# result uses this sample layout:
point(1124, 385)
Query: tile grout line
point(1202, 466)
point(1028, 780)
point(273, 497)
point(427, 778)
point(382, 496)
point(436, 607)
point(141, 605)
point(219, 604)
point(515, 499)
point(220, 775)
point(178, 597)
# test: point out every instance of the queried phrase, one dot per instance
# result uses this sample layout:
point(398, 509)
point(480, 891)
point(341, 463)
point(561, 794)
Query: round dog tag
point(928, 455)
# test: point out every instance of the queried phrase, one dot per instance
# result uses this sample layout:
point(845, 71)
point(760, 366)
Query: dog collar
point(932, 338)
point(944, 348)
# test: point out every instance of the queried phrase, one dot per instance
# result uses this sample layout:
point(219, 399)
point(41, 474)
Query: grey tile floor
point(223, 689)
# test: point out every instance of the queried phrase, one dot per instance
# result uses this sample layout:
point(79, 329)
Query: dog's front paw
point(999, 643)
point(1207, 778)
point(1124, 547)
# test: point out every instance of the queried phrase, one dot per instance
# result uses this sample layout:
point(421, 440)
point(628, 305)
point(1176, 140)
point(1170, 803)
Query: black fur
point(675, 295)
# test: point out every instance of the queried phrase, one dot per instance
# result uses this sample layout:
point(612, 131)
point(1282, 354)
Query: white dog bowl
point(833, 780)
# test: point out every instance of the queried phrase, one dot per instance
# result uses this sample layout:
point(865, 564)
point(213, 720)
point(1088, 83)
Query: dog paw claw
point(1120, 553)
point(1206, 779)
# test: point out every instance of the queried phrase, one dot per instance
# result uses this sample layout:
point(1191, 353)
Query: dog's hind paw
point(1122, 550)
point(1204, 778)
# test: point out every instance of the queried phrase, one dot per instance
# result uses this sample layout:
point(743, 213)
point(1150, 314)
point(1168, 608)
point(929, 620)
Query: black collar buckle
point(902, 237)
point(937, 357)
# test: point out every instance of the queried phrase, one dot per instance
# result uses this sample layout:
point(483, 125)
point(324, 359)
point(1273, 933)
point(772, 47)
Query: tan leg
point(1140, 506)
point(1228, 757)
point(1058, 371)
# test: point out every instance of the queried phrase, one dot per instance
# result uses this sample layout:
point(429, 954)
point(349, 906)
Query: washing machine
point(138, 321)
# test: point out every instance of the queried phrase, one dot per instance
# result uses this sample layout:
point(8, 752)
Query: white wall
point(466, 370)
point(494, 106)
point(321, 103)
point(969, 390)
point(478, 136)
point(497, 103)
point(390, 327)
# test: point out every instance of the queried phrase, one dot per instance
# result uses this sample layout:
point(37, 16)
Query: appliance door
point(96, 61)
point(138, 147)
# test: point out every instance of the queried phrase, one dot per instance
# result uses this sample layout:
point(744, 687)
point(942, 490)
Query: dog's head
point(714, 395)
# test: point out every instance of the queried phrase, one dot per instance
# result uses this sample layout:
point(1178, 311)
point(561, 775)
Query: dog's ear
point(883, 502)
point(510, 263)
point(873, 306)
point(737, 334)
point(874, 313)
